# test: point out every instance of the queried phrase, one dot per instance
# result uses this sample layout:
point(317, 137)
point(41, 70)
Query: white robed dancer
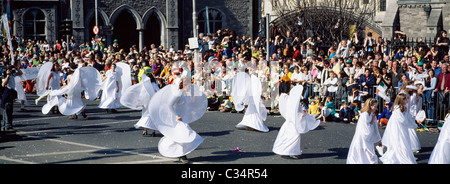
point(396, 137)
point(172, 109)
point(117, 79)
point(138, 97)
point(247, 89)
point(441, 152)
point(298, 121)
point(85, 79)
point(361, 149)
point(49, 80)
point(415, 143)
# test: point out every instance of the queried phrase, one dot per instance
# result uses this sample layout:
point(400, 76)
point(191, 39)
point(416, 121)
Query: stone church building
point(132, 22)
point(169, 22)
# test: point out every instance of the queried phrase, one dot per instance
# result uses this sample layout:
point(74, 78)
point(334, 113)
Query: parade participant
point(52, 82)
point(396, 136)
point(172, 109)
point(441, 151)
point(247, 89)
point(298, 122)
point(117, 79)
point(361, 149)
point(111, 88)
point(85, 79)
point(138, 97)
point(408, 88)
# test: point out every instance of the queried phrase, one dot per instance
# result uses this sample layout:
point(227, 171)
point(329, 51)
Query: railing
point(432, 106)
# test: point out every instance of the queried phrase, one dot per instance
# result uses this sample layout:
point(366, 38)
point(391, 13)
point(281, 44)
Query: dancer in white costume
point(138, 97)
point(396, 137)
point(172, 109)
point(409, 89)
point(247, 89)
point(298, 121)
point(85, 79)
point(52, 82)
point(361, 149)
point(117, 79)
point(441, 152)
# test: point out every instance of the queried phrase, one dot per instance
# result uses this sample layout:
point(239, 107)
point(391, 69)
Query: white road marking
point(57, 153)
point(155, 158)
point(15, 160)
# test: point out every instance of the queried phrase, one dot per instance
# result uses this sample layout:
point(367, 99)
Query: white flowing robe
point(361, 149)
point(168, 104)
point(412, 107)
point(441, 152)
point(85, 79)
point(288, 139)
point(110, 96)
point(247, 89)
point(138, 97)
point(54, 84)
point(397, 139)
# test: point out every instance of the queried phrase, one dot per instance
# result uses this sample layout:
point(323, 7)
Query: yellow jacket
point(143, 71)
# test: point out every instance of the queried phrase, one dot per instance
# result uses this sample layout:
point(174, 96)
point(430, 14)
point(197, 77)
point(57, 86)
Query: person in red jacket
point(297, 54)
point(442, 89)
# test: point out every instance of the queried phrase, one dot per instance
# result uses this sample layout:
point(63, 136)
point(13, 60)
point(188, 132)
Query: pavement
point(106, 138)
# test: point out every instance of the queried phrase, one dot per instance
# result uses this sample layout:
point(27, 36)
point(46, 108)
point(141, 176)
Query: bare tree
point(328, 19)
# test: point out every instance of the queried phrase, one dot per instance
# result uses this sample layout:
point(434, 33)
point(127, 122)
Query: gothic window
point(382, 5)
point(215, 18)
point(34, 24)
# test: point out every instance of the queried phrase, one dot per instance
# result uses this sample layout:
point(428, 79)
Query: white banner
point(8, 34)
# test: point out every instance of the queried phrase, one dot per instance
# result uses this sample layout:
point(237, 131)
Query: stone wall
point(413, 19)
point(238, 15)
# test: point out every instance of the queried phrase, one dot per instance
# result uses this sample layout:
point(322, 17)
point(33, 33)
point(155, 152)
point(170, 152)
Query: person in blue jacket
point(383, 118)
point(366, 81)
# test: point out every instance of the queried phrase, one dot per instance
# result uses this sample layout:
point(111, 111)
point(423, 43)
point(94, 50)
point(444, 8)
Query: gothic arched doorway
point(152, 33)
point(125, 30)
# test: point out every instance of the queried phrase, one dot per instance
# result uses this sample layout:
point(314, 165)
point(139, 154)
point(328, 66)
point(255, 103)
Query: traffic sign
point(96, 30)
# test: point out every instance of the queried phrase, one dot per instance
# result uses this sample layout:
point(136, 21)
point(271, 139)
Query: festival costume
point(110, 98)
point(441, 152)
point(297, 122)
point(169, 103)
point(397, 139)
point(85, 79)
point(138, 97)
point(247, 89)
point(361, 149)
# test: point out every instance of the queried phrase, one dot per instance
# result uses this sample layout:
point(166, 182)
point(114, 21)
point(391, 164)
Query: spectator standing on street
point(442, 88)
point(9, 95)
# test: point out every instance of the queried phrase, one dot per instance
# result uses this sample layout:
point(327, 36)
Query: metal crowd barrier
point(435, 107)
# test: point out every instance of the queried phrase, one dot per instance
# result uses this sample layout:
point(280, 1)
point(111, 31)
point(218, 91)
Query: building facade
point(417, 18)
point(132, 22)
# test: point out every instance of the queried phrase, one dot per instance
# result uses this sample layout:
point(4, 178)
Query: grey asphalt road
point(112, 139)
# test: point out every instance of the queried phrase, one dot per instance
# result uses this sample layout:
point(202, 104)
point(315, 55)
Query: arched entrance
point(152, 33)
point(125, 29)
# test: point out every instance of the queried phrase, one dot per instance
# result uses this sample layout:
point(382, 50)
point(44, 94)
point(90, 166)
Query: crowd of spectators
point(337, 78)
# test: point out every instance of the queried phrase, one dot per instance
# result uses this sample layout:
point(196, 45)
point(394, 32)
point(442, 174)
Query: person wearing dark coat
point(366, 81)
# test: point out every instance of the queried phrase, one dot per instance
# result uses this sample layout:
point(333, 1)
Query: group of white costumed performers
point(86, 79)
point(400, 137)
point(171, 109)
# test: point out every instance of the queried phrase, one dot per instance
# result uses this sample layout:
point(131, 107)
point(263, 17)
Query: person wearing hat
point(420, 68)
point(349, 69)
point(116, 45)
